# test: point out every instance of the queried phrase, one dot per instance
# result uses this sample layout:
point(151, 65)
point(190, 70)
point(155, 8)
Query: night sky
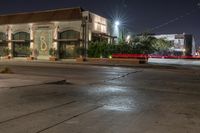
point(157, 16)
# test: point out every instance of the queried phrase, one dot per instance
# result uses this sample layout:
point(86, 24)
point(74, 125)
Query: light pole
point(116, 30)
point(84, 36)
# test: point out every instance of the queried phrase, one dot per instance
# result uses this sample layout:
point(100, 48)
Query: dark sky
point(138, 15)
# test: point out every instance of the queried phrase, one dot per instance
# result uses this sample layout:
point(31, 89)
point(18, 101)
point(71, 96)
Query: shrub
point(6, 51)
point(140, 45)
point(53, 52)
point(80, 51)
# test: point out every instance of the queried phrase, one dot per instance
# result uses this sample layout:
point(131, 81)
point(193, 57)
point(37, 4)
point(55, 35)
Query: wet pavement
point(102, 100)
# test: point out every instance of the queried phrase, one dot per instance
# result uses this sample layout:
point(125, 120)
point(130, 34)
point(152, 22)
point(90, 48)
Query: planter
point(121, 61)
point(7, 57)
point(31, 58)
point(81, 59)
point(53, 58)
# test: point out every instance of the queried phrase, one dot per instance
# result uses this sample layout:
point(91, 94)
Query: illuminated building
point(182, 44)
point(65, 30)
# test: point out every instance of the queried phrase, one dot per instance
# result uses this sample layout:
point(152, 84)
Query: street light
point(128, 38)
point(116, 28)
point(117, 23)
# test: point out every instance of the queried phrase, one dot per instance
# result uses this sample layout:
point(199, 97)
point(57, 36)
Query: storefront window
point(68, 48)
point(3, 43)
point(21, 36)
point(70, 34)
point(21, 44)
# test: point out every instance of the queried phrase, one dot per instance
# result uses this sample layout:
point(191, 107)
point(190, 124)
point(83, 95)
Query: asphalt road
point(97, 99)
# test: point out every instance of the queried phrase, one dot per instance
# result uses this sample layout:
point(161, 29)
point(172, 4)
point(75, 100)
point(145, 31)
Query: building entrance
point(43, 42)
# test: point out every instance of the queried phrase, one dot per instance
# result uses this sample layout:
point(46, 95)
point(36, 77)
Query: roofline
point(42, 11)
point(38, 22)
point(172, 34)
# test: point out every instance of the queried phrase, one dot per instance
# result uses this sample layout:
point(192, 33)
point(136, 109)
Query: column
point(9, 34)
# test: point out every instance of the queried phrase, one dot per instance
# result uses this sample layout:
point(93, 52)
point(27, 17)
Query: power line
point(175, 19)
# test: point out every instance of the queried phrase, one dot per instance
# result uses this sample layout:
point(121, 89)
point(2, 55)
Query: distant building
point(63, 29)
point(197, 51)
point(183, 44)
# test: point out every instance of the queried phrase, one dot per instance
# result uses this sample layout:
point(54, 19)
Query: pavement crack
point(74, 116)
point(122, 76)
point(35, 112)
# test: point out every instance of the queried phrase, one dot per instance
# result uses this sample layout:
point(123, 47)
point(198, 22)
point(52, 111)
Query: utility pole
point(84, 36)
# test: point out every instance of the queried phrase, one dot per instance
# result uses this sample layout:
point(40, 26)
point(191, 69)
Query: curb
point(148, 65)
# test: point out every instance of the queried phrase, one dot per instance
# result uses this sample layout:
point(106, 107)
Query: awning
point(20, 41)
point(104, 35)
point(67, 40)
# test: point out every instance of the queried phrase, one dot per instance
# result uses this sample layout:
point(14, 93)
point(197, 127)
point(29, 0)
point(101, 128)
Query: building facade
point(65, 30)
point(182, 44)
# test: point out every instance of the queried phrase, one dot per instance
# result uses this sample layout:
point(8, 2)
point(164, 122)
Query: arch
point(24, 29)
point(69, 34)
point(21, 36)
point(62, 29)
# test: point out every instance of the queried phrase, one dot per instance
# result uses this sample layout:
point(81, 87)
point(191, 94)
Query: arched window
point(21, 44)
point(70, 34)
point(21, 36)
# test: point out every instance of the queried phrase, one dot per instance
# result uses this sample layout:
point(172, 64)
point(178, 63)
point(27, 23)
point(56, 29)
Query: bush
point(103, 49)
point(53, 52)
point(140, 45)
point(6, 51)
point(80, 51)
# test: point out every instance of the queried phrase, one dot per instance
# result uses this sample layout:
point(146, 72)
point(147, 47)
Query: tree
point(162, 46)
point(143, 44)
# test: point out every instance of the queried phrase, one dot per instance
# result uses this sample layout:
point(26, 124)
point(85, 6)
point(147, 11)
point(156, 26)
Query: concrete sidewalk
point(16, 80)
